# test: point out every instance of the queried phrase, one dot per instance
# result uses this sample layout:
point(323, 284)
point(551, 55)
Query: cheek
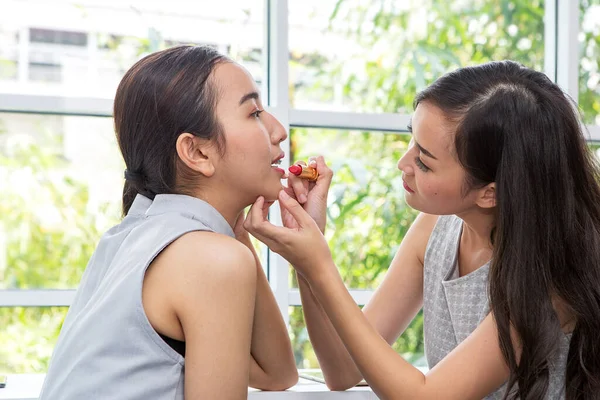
point(246, 146)
point(256, 137)
point(440, 189)
point(236, 152)
point(429, 186)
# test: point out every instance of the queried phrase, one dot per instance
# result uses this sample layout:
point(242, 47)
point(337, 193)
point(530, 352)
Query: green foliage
point(50, 229)
point(27, 337)
point(400, 47)
point(50, 232)
point(589, 68)
point(367, 213)
point(368, 217)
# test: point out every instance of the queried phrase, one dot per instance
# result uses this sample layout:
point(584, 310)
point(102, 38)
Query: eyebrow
point(421, 148)
point(249, 96)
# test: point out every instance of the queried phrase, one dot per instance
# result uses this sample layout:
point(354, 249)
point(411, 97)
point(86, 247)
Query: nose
point(406, 163)
point(277, 131)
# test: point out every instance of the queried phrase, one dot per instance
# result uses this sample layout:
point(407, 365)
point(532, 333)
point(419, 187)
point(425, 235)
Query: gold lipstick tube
point(304, 172)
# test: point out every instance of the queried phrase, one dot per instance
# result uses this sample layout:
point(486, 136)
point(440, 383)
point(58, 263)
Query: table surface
point(28, 387)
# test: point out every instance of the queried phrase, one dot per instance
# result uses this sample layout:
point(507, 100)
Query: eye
point(256, 114)
point(421, 166)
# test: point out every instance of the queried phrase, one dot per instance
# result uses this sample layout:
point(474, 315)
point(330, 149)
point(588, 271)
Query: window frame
point(561, 64)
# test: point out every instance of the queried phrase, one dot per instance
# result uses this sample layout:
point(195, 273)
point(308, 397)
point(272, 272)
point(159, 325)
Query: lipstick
point(304, 172)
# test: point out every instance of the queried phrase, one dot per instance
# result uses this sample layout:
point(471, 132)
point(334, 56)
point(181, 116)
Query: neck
point(478, 226)
point(229, 207)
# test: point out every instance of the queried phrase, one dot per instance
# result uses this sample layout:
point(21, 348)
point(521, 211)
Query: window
point(83, 48)
point(28, 336)
point(60, 167)
point(52, 36)
point(56, 201)
point(340, 74)
point(367, 219)
point(367, 214)
point(409, 344)
point(8, 54)
point(372, 56)
point(589, 67)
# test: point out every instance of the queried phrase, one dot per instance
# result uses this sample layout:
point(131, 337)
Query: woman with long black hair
point(504, 259)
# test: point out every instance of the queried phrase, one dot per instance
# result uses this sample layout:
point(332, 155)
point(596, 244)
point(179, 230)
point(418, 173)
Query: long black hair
point(160, 97)
point(516, 128)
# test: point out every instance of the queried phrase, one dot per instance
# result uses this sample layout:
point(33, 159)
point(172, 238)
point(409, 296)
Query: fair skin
point(351, 344)
point(208, 289)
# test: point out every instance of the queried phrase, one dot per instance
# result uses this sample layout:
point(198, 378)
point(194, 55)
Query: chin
point(271, 193)
point(419, 207)
point(409, 201)
point(432, 209)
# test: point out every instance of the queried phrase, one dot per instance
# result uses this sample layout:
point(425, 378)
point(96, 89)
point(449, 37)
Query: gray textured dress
point(454, 306)
point(107, 348)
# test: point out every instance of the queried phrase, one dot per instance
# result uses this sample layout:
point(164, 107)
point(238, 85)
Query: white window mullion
point(36, 298)
point(594, 131)
point(550, 38)
point(23, 55)
point(352, 121)
point(567, 68)
point(278, 101)
point(41, 104)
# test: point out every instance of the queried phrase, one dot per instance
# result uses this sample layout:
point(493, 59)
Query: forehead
point(432, 130)
point(232, 81)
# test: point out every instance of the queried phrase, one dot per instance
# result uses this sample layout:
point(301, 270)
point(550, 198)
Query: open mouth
point(276, 165)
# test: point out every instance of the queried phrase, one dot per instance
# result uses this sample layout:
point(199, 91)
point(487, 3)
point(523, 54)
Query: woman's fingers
point(299, 186)
point(265, 208)
point(293, 215)
point(259, 226)
point(325, 173)
point(295, 210)
point(287, 219)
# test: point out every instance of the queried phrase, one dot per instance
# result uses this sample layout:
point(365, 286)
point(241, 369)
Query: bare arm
point(390, 311)
point(272, 364)
point(215, 306)
point(474, 369)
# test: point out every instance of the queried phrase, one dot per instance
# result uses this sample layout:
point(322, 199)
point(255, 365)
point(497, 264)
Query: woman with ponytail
point(504, 259)
point(174, 301)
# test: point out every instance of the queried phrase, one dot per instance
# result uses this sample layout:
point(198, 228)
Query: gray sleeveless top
point(454, 306)
point(107, 348)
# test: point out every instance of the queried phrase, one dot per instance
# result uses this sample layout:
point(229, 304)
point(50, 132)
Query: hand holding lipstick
point(311, 194)
point(304, 172)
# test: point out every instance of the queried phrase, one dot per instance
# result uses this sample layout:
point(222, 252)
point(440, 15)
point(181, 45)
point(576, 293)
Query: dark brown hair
point(162, 96)
point(516, 128)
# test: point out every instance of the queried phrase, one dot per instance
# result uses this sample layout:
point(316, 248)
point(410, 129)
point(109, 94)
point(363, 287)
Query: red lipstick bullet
point(304, 172)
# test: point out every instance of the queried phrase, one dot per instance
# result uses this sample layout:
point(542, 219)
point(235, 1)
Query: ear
point(486, 196)
point(196, 153)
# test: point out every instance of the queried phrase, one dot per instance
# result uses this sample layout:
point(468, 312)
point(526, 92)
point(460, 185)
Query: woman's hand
point(299, 241)
point(312, 195)
point(241, 234)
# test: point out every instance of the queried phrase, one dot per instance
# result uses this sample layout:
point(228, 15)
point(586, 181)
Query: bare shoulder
point(202, 258)
point(209, 252)
point(197, 270)
point(424, 223)
point(419, 233)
